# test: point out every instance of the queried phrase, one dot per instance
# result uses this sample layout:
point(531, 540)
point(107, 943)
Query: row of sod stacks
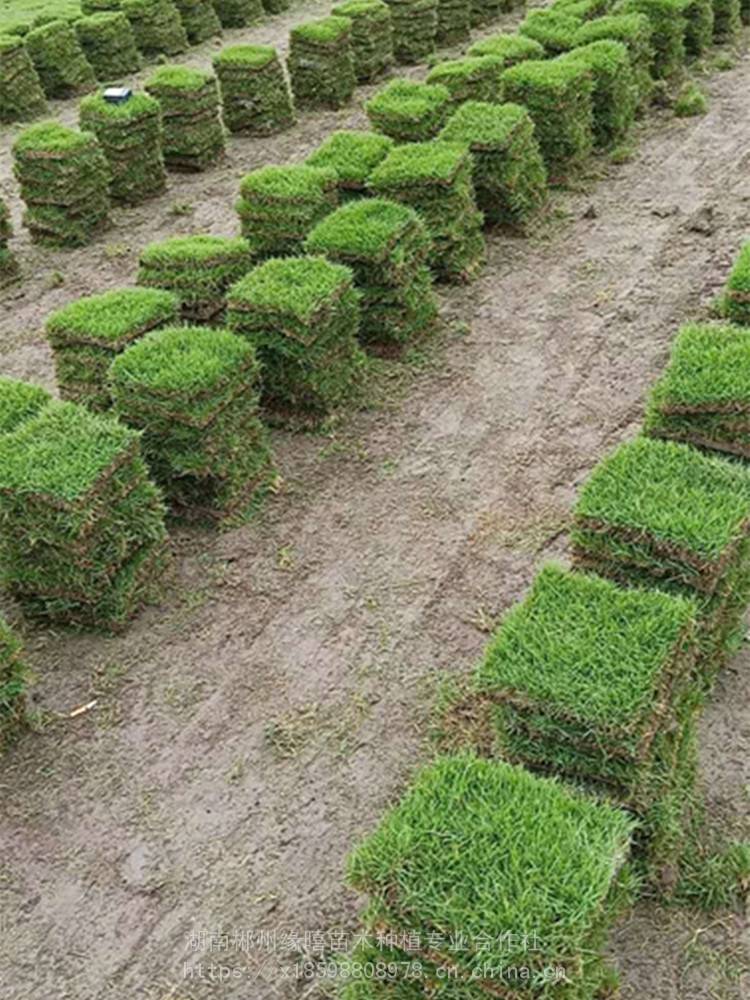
point(157, 27)
point(435, 179)
point(558, 95)
point(255, 95)
point(8, 262)
point(352, 156)
point(193, 391)
point(199, 19)
point(735, 304)
point(21, 94)
point(703, 396)
point(473, 78)
point(14, 676)
point(386, 245)
point(278, 206)
point(663, 513)
point(409, 111)
point(490, 882)
point(131, 137)
point(372, 37)
point(238, 13)
point(320, 62)
point(510, 179)
point(59, 61)
point(595, 682)
point(302, 316)
point(198, 270)
point(64, 181)
point(83, 538)
point(614, 95)
point(555, 31)
point(414, 29)
point(109, 45)
point(453, 22)
point(668, 27)
point(87, 334)
point(193, 133)
point(512, 49)
point(634, 31)
point(727, 20)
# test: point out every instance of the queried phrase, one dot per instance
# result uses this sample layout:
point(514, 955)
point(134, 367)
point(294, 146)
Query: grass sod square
point(21, 94)
point(109, 45)
point(614, 94)
point(278, 206)
point(409, 111)
point(14, 679)
point(86, 335)
point(472, 78)
point(157, 27)
point(353, 156)
point(453, 22)
point(193, 133)
point(634, 31)
point(554, 30)
point(199, 18)
point(435, 179)
point(668, 29)
point(727, 20)
point(64, 181)
point(414, 24)
point(59, 61)
point(302, 316)
point(197, 269)
point(558, 95)
point(131, 138)
point(699, 31)
point(735, 303)
point(703, 397)
point(509, 175)
point(18, 402)
point(238, 13)
point(193, 391)
point(665, 508)
point(511, 49)
point(372, 37)
point(386, 245)
point(478, 847)
point(321, 63)
point(255, 95)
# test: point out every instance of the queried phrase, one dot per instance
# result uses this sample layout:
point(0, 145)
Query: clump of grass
point(157, 27)
point(255, 95)
point(634, 31)
point(108, 43)
point(189, 100)
point(19, 401)
point(473, 78)
point(321, 63)
point(372, 37)
point(58, 58)
point(690, 101)
point(409, 111)
point(352, 156)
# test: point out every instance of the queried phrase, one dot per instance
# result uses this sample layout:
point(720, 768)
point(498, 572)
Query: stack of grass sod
point(386, 245)
point(727, 20)
point(302, 316)
point(510, 179)
point(83, 538)
point(21, 94)
point(699, 30)
point(614, 96)
point(745, 11)
point(199, 19)
point(86, 336)
point(558, 95)
point(595, 682)
point(278, 206)
point(255, 95)
point(18, 402)
point(130, 135)
point(735, 299)
point(198, 270)
point(474, 848)
point(634, 31)
point(157, 27)
point(109, 45)
point(64, 181)
point(193, 392)
point(372, 37)
point(193, 134)
point(512, 49)
point(97, 6)
point(276, 6)
point(660, 513)
point(486, 11)
point(586, 10)
point(703, 397)
point(453, 22)
point(352, 156)
point(14, 680)
point(668, 28)
point(8, 262)
point(63, 69)
point(435, 179)
point(471, 78)
point(414, 25)
point(238, 13)
point(321, 64)
point(555, 31)
point(409, 111)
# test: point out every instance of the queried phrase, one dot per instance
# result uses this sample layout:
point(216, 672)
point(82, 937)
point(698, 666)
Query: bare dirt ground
point(252, 726)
